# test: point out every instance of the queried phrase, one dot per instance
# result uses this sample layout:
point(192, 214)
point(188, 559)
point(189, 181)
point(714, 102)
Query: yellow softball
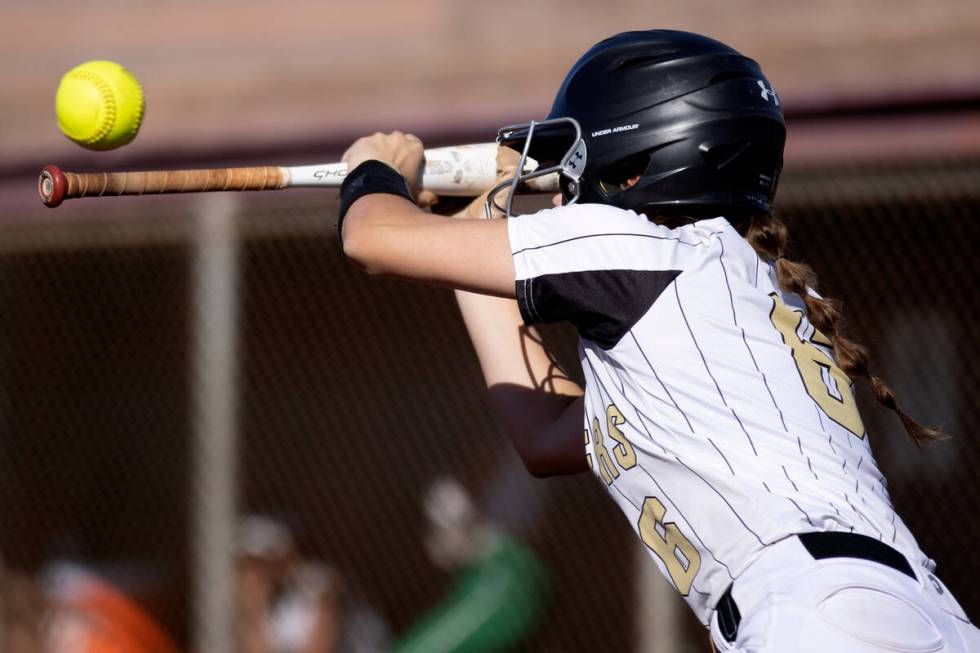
point(99, 105)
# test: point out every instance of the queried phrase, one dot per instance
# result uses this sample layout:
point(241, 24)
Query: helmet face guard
point(557, 143)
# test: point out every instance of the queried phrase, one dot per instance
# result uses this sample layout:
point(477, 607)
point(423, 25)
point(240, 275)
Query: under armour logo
point(767, 93)
point(575, 160)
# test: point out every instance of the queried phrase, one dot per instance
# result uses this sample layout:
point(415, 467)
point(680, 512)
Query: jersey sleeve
point(596, 266)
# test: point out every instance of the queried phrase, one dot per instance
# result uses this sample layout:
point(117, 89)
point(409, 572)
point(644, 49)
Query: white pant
point(791, 603)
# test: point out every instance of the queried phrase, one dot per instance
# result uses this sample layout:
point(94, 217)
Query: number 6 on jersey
point(826, 383)
point(679, 556)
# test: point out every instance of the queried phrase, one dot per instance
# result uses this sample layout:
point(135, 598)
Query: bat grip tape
point(366, 179)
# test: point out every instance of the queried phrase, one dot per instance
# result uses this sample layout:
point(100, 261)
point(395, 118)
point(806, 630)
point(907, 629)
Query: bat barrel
point(51, 185)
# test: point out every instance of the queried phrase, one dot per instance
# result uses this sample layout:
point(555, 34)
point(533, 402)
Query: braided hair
point(769, 236)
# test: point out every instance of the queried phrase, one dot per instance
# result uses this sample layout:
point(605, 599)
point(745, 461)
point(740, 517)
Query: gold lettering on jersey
point(607, 470)
point(588, 456)
point(625, 455)
point(679, 556)
point(824, 381)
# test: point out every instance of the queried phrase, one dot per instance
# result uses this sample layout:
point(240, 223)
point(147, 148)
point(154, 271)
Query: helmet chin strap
point(572, 166)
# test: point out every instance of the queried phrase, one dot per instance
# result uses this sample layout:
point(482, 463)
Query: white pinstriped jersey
point(714, 412)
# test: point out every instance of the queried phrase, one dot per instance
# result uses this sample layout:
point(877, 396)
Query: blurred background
point(215, 435)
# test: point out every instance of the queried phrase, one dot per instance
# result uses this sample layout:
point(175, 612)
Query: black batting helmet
point(696, 122)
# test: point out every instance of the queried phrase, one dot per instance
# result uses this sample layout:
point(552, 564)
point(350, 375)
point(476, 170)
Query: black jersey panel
point(602, 304)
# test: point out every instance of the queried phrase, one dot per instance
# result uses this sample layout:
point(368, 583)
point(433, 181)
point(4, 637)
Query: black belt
point(820, 546)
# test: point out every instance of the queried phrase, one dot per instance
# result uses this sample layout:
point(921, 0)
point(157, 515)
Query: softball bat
point(455, 171)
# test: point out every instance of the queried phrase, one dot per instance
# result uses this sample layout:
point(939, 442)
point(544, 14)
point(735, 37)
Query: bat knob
point(51, 186)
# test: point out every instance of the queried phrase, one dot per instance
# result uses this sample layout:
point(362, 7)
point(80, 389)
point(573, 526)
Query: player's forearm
point(509, 351)
point(389, 236)
point(551, 447)
point(371, 225)
point(534, 399)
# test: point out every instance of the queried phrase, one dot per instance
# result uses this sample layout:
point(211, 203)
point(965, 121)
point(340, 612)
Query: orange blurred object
point(92, 616)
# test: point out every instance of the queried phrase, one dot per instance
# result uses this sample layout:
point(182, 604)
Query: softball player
point(718, 408)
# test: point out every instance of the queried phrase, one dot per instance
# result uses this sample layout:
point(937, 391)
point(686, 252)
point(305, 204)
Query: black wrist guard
point(367, 178)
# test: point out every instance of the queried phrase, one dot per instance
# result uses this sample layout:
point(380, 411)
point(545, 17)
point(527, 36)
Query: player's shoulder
point(599, 235)
point(589, 217)
point(604, 219)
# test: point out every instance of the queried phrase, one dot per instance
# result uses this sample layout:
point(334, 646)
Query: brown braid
point(768, 235)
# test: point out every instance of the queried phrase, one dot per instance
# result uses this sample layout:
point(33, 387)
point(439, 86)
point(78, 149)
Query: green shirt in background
point(494, 604)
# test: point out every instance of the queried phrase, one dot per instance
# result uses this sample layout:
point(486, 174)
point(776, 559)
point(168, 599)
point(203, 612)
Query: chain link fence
point(165, 372)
